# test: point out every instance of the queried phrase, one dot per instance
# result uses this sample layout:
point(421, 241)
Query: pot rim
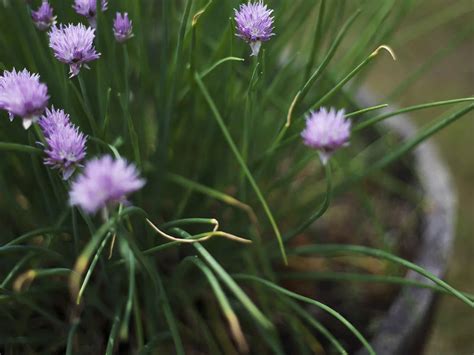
point(403, 324)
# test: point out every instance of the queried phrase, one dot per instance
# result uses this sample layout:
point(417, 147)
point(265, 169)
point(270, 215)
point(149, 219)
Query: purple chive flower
point(254, 24)
point(65, 145)
point(73, 45)
point(88, 8)
point(105, 182)
point(326, 131)
point(22, 94)
point(53, 120)
point(43, 18)
point(122, 27)
point(65, 149)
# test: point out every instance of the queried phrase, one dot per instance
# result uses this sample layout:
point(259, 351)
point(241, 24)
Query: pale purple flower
point(43, 18)
point(122, 27)
point(65, 149)
point(254, 24)
point(52, 120)
point(22, 94)
point(88, 8)
point(104, 182)
point(65, 144)
point(73, 45)
point(326, 131)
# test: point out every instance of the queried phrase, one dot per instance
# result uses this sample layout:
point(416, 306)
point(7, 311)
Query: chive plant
point(156, 194)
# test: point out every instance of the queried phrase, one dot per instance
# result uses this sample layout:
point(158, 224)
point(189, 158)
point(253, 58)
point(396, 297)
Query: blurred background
point(436, 46)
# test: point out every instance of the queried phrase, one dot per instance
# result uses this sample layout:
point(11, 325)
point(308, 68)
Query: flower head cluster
point(65, 144)
point(52, 120)
point(122, 27)
point(254, 24)
point(22, 94)
point(88, 8)
point(326, 131)
point(105, 182)
point(43, 18)
point(73, 45)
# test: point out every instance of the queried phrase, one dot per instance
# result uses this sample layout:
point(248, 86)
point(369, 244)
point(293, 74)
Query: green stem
point(105, 123)
point(113, 332)
point(212, 193)
point(320, 211)
point(324, 307)
point(365, 110)
point(91, 268)
point(87, 106)
point(14, 147)
point(170, 318)
point(223, 303)
point(15, 269)
point(384, 116)
point(239, 293)
point(125, 99)
point(247, 121)
point(83, 260)
point(422, 136)
point(229, 282)
point(332, 50)
point(75, 230)
point(187, 221)
point(365, 278)
point(176, 67)
point(40, 231)
point(138, 321)
point(349, 76)
point(317, 325)
point(336, 249)
point(242, 164)
point(70, 337)
point(161, 247)
point(317, 38)
point(131, 290)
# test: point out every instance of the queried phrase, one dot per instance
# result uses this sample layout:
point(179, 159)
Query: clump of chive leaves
point(191, 135)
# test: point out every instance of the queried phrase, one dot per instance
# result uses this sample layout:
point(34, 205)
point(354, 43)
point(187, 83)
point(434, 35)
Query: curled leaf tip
point(387, 48)
point(205, 236)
